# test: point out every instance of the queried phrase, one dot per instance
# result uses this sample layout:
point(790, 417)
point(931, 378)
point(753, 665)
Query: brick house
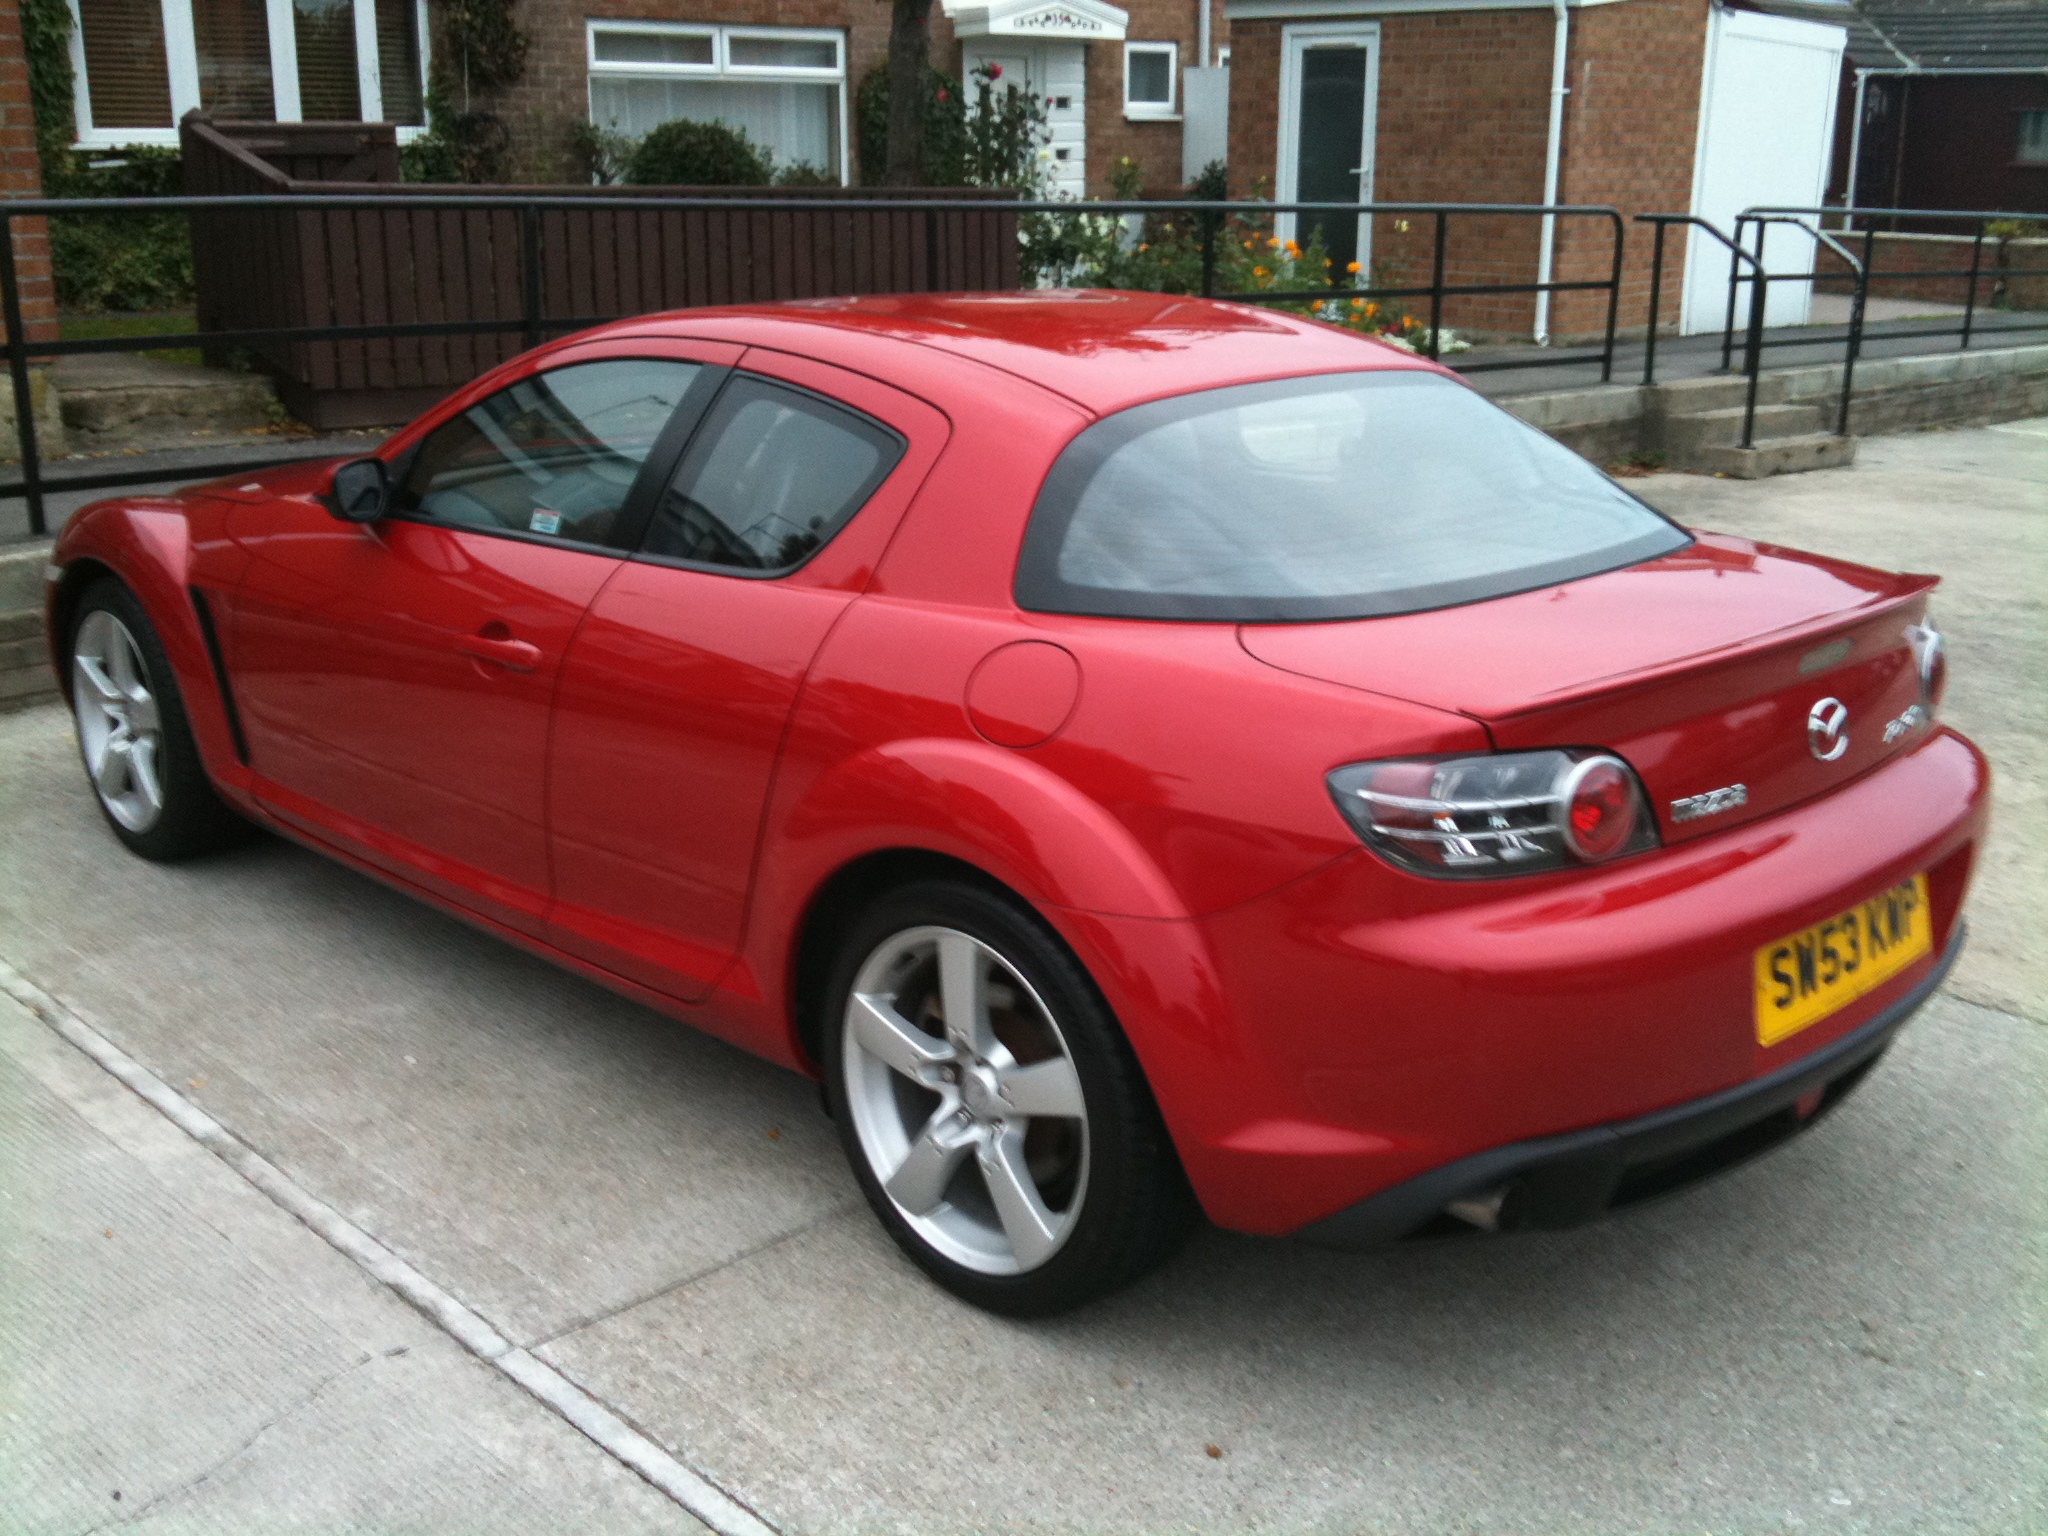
point(1666, 105)
point(1647, 105)
point(1117, 82)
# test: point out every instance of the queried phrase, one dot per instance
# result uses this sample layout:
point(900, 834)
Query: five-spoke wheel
point(134, 736)
point(991, 1108)
point(119, 728)
point(966, 1100)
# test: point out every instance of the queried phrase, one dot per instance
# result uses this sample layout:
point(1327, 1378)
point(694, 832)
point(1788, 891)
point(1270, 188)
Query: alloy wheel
point(965, 1100)
point(120, 730)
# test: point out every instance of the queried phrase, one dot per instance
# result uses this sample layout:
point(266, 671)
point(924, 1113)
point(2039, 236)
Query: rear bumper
point(1565, 1181)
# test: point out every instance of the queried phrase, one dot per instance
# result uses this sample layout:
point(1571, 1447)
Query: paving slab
point(1842, 1337)
point(556, 1151)
point(178, 1355)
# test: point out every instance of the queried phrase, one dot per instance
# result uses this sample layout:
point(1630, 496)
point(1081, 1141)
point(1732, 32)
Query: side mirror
point(361, 492)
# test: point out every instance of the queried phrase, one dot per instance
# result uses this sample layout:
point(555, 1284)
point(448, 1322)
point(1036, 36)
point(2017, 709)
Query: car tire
point(1020, 1160)
point(134, 737)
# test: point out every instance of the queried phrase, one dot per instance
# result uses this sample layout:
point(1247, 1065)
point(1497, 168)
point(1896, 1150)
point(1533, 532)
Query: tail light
point(1507, 813)
point(1930, 657)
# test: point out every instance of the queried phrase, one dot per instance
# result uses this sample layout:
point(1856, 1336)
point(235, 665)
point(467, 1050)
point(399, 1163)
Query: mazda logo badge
point(1825, 737)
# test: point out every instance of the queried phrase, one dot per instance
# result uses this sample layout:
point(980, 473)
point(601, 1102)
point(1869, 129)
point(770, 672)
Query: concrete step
point(1780, 456)
point(1687, 437)
point(25, 675)
point(21, 624)
point(29, 651)
point(1690, 397)
point(114, 396)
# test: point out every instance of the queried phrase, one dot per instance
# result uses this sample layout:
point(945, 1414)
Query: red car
point(1145, 755)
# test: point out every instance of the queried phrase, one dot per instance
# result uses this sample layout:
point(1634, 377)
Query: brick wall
point(1464, 101)
point(554, 91)
point(1896, 258)
point(21, 176)
point(1463, 98)
point(1154, 145)
point(1630, 129)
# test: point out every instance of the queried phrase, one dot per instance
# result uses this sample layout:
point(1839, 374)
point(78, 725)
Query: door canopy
point(1086, 21)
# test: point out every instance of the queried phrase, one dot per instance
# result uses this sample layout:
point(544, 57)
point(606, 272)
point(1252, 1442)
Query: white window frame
point(721, 65)
point(1153, 111)
point(181, 62)
point(2036, 140)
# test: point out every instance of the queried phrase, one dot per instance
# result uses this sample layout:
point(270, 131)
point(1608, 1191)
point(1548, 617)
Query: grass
point(152, 322)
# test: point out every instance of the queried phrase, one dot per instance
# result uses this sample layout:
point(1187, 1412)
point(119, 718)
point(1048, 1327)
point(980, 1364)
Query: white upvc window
point(1151, 80)
point(138, 66)
point(785, 87)
point(2033, 146)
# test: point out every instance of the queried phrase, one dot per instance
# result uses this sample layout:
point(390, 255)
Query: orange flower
point(1258, 271)
point(1352, 268)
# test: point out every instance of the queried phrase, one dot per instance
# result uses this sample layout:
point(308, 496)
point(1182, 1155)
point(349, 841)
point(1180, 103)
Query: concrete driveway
point(1845, 1337)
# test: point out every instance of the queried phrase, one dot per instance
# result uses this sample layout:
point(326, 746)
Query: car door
point(394, 678)
point(675, 693)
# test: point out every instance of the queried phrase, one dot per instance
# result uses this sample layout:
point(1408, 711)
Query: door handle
point(513, 655)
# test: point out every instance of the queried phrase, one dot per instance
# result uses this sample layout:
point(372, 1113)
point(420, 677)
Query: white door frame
point(1296, 39)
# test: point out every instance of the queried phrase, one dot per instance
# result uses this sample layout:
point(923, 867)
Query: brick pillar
point(21, 176)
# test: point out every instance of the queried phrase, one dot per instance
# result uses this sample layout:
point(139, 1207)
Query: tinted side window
point(554, 454)
point(770, 476)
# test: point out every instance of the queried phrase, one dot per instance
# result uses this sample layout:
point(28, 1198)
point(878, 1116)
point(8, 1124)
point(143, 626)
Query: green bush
point(688, 154)
point(469, 148)
point(119, 261)
point(801, 173)
point(945, 129)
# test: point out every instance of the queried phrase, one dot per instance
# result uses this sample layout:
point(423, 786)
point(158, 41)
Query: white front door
point(1767, 126)
point(1056, 72)
point(1329, 103)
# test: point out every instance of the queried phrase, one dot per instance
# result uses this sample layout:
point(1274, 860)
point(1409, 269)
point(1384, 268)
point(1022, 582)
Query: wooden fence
point(536, 272)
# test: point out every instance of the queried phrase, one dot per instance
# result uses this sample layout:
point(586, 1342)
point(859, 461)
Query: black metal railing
point(1972, 276)
point(1213, 222)
point(1751, 228)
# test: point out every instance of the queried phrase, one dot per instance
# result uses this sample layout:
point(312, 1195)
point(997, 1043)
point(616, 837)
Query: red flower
point(995, 71)
point(942, 93)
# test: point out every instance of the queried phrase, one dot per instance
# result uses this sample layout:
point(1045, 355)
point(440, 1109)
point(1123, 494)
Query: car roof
point(1101, 349)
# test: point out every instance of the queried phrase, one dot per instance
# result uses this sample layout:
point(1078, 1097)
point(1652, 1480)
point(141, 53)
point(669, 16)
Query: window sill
point(1140, 115)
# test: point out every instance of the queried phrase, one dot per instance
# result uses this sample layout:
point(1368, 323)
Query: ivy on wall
point(485, 48)
point(46, 39)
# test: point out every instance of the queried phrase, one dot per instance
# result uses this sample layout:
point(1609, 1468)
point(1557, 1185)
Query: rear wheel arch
point(830, 913)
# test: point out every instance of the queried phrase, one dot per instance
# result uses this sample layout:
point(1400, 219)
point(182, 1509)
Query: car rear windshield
point(1338, 496)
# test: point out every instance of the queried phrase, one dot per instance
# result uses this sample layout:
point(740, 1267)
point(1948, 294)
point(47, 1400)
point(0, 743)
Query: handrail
point(1854, 349)
point(1661, 222)
point(1904, 213)
point(532, 324)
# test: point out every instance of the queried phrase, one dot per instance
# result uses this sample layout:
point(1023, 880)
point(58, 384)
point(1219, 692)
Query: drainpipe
point(1202, 30)
point(1855, 146)
point(1551, 156)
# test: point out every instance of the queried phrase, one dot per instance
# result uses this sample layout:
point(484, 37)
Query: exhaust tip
point(1481, 1211)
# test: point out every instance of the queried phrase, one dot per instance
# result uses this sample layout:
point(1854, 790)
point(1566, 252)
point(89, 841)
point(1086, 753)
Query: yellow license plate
point(1805, 976)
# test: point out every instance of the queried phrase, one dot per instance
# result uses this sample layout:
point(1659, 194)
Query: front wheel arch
point(79, 578)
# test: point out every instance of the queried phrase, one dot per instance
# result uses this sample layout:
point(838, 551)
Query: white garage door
point(1767, 122)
